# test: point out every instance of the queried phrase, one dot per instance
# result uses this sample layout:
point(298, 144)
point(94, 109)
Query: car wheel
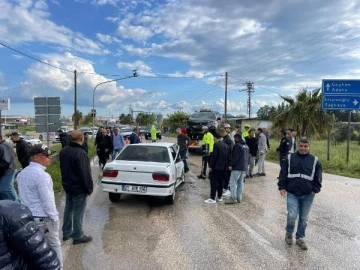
point(114, 197)
point(171, 198)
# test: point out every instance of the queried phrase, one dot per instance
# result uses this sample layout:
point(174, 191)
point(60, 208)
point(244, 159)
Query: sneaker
point(262, 174)
point(231, 201)
point(288, 239)
point(227, 193)
point(247, 176)
point(257, 174)
point(209, 201)
point(65, 238)
point(201, 176)
point(219, 199)
point(251, 176)
point(238, 200)
point(301, 243)
point(186, 170)
point(82, 240)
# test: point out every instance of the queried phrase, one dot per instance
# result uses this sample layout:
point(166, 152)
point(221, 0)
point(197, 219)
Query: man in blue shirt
point(118, 143)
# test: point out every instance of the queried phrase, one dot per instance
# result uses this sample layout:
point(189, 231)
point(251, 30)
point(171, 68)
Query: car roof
point(163, 144)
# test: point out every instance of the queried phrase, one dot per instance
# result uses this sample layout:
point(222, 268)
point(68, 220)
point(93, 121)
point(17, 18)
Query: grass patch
point(337, 163)
point(54, 168)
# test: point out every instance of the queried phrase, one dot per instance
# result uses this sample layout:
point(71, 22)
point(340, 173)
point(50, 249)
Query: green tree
point(144, 119)
point(79, 117)
point(205, 110)
point(87, 119)
point(304, 114)
point(126, 119)
point(176, 119)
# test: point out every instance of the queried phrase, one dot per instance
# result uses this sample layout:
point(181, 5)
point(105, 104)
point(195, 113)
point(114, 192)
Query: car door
point(177, 160)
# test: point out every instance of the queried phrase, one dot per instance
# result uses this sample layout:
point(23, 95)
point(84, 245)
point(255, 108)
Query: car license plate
point(140, 189)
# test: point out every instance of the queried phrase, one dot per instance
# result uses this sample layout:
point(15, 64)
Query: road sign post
point(4, 105)
point(343, 95)
point(47, 115)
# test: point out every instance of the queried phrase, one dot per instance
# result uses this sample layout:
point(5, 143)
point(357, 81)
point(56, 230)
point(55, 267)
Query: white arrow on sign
point(327, 86)
point(355, 102)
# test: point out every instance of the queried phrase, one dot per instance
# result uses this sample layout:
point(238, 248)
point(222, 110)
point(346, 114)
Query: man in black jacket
point(183, 142)
point(218, 163)
point(251, 142)
point(224, 133)
point(22, 243)
point(300, 179)
point(238, 167)
point(134, 137)
point(104, 147)
point(22, 149)
point(284, 147)
point(64, 138)
point(78, 184)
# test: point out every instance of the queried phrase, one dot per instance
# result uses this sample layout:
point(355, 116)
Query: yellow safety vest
point(209, 140)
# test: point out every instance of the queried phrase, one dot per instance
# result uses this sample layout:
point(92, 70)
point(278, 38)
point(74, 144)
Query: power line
point(35, 59)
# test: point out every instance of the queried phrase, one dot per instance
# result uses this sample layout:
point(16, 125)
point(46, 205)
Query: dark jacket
point(22, 152)
point(86, 146)
point(64, 139)
point(98, 137)
point(219, 158)
point(22, 243)
point(252, 144)
point(301, 167)
point(284, 148)
point(240, 157)
point(105, 142)
point(183, 141)
point(134, 138)
point(75, 170)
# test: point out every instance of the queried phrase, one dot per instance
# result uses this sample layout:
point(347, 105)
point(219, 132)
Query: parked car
point(145, 169)
point(30, 140)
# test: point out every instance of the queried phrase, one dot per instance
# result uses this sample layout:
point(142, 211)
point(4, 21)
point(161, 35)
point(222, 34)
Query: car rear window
point(145, 153)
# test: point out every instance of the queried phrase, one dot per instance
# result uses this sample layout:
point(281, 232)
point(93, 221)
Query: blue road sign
point(341, 87)
point(341, 102)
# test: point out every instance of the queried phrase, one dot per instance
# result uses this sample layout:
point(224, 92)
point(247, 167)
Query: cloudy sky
point(180, 49)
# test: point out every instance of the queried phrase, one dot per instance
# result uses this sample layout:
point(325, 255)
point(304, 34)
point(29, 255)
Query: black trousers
point(227, 179)
point(216, 183)
point(204, 163)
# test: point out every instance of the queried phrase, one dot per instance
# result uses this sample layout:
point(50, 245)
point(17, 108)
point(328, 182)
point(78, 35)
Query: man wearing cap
point(37, 193)
point(207, 145)
point(22, 149)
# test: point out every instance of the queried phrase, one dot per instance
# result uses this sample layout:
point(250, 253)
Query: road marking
point(259, 239)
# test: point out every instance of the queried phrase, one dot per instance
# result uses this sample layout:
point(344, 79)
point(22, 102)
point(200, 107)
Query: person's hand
point(106, 150)
point(283, 192)
point(230, 168)
point(210, 169)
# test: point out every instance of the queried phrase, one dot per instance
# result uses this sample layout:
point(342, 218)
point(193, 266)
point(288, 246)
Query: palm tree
point(304, 114)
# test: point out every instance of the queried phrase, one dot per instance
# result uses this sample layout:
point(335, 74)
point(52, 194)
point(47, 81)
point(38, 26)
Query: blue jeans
point(7, 190)
point(74, 215)
point(183, 156)
point(298, 205)
point(115, 153)
point(237, 184)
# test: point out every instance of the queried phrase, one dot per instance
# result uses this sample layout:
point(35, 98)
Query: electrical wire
point(35, 59)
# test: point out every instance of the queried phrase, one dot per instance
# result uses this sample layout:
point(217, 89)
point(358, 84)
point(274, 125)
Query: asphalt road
point(144, 233)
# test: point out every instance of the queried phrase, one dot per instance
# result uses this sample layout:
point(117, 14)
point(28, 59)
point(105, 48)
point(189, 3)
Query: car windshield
point(145, 153)
point(203, 116)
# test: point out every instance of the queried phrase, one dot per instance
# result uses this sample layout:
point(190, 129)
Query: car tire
point(171, 198)
point(114, 197)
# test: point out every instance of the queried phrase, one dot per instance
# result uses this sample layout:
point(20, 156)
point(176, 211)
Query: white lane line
point(259, 239)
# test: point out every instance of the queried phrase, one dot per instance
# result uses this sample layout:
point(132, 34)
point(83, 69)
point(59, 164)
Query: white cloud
point(141, 67)
point(107, 39)
point(26, 21)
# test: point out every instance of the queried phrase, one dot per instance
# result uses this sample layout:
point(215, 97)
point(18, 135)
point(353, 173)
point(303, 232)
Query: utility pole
point(249, 89)
point(226, 89)
point(75, 99)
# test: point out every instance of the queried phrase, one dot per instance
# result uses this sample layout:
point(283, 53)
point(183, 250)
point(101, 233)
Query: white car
point(30, 140)
point(152, 169)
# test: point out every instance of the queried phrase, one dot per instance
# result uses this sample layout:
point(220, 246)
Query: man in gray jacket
point(262, 150)
point(7, 172)
point(239, 165)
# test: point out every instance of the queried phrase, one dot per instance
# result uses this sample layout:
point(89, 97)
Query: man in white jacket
point(262, 150)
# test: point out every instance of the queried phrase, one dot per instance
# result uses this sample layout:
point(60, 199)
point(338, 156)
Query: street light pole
point(93, 107)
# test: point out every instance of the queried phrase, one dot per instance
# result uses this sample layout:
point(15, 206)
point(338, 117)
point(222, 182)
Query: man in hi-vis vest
point(300, 179)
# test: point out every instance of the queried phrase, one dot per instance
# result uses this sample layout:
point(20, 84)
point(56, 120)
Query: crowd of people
point(231, 159)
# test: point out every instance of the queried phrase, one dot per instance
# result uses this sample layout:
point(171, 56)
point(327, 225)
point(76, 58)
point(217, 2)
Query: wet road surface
point(144, 233)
